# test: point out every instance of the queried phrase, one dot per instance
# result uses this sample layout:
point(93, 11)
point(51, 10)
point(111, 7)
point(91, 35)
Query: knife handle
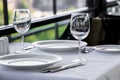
point(59, 68)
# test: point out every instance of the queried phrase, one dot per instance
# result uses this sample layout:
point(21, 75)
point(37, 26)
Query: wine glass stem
point(79, 50)
point(22, 42)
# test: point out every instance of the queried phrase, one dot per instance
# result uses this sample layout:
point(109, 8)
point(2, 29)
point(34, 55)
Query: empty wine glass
point(80, 27)
point(21, 23)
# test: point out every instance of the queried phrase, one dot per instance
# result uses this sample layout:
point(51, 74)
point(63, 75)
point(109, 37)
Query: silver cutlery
point(87, 49)
point(63, 67)
point(29, 47)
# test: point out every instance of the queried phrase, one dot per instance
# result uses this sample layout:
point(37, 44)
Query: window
point(38, 8)
point(67, 5)
point(44, 8)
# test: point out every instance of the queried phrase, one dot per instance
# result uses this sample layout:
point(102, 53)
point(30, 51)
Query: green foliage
point(46, 35)
point(10, 16)
point(1, 13)
point(24, 3)
point(62, 29)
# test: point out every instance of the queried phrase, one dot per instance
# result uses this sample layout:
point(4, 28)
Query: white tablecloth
point(100, 66)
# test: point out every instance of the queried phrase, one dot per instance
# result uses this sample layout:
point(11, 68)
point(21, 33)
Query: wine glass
point(21, 23)
point(80, 28)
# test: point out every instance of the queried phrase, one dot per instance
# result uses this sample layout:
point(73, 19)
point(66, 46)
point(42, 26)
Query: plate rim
point(58, 59)
point(98, 48)
point(56, 49)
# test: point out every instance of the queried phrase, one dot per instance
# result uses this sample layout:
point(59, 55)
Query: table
point(100, 66)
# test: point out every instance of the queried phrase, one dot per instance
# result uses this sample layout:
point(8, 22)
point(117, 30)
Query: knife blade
point(63, 67)
point(29, 47)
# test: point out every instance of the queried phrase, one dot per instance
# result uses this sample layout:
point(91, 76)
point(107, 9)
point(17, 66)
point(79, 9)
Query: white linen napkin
point(4, 46)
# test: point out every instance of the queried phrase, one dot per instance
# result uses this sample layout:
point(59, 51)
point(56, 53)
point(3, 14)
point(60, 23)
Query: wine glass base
point(21, 52)
point(82, 60)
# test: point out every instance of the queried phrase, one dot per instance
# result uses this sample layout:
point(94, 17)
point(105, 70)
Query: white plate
point(108, 48)
point(29, 60)
point(58, 45)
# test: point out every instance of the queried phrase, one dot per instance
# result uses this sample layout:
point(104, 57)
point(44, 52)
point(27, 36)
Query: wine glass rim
point(21, 9)
point(79, 13)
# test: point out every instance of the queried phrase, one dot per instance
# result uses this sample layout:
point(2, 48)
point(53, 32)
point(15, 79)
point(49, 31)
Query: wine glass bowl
point(80, 27)
point(21, 23)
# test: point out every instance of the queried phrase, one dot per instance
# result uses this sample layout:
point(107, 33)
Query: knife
point(59, 68)
point(29, 47)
